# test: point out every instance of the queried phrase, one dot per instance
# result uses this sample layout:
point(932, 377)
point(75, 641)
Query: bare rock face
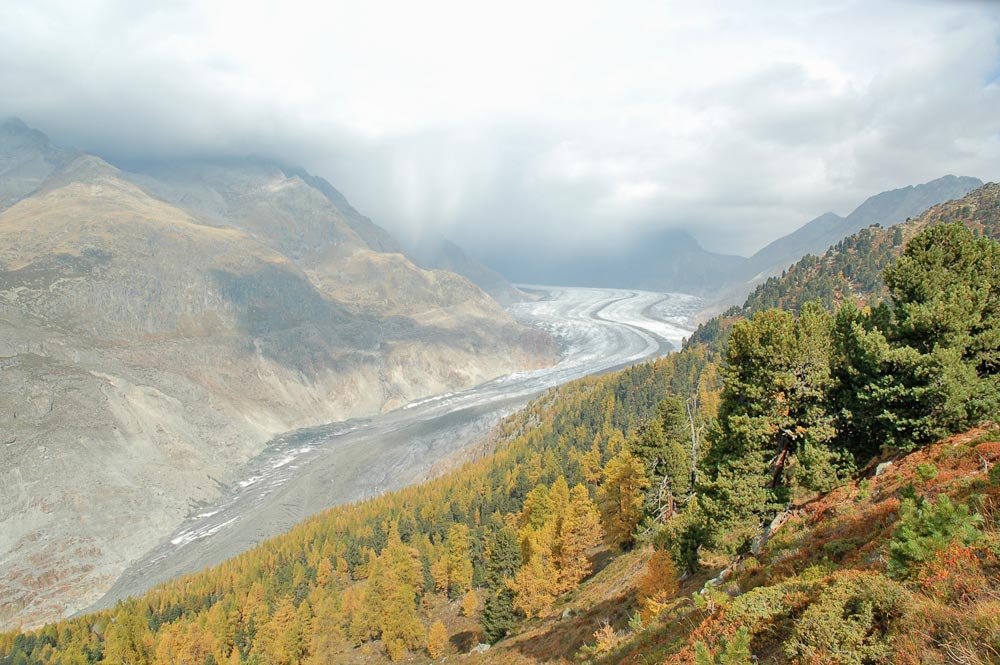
point(156, 330)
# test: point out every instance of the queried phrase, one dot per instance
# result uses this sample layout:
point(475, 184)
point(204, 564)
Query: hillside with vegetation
point(815, 237)
point(852, 268)
point(815, 486)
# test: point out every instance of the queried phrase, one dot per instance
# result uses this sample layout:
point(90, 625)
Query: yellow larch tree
point(580, 532)
point(470, 603)
point(621, 497)
point(459, 560)
point(657, 585)
point(437, 640)
point(536, 584)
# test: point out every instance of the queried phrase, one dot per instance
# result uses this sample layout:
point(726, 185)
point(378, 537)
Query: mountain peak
point(13, 124)
point(27, 158)
point(13, 132)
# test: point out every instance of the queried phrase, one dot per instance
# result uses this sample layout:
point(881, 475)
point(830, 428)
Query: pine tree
point(663, 444)
point(927, 366)
point(774, 403)
point(503, 560)
point(945, 293)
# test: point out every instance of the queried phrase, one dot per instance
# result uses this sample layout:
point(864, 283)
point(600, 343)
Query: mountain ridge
point(886, 208)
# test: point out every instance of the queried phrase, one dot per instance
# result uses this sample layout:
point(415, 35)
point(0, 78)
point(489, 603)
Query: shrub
point(850, 622)
point(927, 471)
point(607, 639)
point(734, 651)
point(838, 549)
point(994, 475)
point(927, 528)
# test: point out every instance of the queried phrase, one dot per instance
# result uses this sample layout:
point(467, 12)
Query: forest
point(721, 471)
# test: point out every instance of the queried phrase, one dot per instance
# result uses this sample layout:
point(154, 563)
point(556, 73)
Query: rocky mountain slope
point(26, 159)
point(157, 329)
point(243, 192)
point(433, 251)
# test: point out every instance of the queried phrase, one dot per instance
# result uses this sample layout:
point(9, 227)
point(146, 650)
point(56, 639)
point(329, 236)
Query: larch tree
point(470, 603)
point(535, 585)
point(581, 531)
point(128, 641)
point(621, 497)
point(437, 640)
point(657, 585)
point(327, 632)
point(282, 640)
point(459, 561)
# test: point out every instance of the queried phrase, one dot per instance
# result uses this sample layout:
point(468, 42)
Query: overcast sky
point(552, 123)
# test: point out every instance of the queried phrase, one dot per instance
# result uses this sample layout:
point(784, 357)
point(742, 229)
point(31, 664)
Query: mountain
point(26, 159)
point(158, 328)
point(852, 268)
point(432, 251)
point(232, 191)
point(662, 260)
point(672, 260)
point(816, 236)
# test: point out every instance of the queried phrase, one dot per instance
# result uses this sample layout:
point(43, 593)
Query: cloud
point(525, 126)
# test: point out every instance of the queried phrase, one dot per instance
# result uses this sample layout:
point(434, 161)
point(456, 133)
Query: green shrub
point(927, 471)
point(849, 623)
point(926, 528)
point(837, 549)
point(734, 651)
point(994, 474)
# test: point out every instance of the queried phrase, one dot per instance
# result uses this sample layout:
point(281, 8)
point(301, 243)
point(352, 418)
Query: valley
point(303, 472)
